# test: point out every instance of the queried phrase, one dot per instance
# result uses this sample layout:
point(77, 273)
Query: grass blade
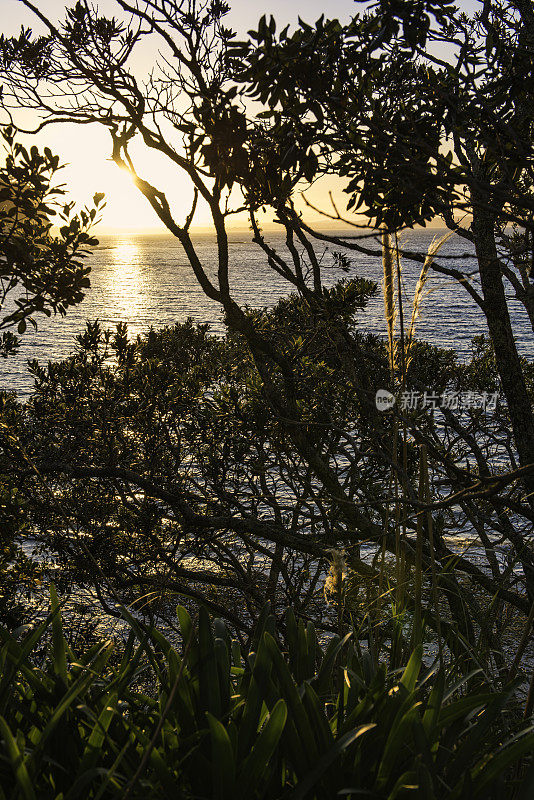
point(306, 785)
point(17, 762)
point(262, 752)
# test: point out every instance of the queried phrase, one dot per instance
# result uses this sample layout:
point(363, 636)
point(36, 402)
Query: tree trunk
point(500, 330)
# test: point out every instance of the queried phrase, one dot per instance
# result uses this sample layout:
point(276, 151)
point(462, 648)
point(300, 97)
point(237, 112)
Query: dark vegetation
point(41, 273)
point(224, 473)
point(279, 718)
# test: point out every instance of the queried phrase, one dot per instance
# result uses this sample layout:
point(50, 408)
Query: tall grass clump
point(432, 251)
point(399, 366)
point(390, 312)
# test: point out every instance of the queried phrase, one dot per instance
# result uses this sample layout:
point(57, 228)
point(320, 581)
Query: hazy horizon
point(105, 230)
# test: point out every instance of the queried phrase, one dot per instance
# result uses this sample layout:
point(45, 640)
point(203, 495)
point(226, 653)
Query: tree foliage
point(40, 272)
point(421, 133)
point(365, 101)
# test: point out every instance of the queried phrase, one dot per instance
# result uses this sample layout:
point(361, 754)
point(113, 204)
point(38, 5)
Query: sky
point(85, 150)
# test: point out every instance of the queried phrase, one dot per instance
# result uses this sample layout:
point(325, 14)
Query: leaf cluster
point(41, 272)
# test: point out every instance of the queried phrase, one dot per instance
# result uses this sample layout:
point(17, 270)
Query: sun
point(85, 153)
point(126, 208)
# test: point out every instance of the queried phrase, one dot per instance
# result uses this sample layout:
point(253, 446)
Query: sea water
point(146, 280)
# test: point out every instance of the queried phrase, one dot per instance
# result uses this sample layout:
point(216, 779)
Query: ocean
point(145, 280)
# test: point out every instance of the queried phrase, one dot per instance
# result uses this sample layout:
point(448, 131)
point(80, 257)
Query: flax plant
point(283, 716)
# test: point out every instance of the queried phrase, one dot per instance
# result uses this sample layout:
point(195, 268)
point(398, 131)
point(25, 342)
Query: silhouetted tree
point(427, 112)
point(192, 112)
point(40, 273)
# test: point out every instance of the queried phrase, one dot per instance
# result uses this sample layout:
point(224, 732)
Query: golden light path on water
point(125, 281)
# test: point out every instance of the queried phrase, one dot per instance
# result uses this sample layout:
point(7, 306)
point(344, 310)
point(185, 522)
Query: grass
point(284, 717)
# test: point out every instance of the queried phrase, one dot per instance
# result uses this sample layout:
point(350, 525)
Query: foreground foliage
point(279, 717)
point(159, 462)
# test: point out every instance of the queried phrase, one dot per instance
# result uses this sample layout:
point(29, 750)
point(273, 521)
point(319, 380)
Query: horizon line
point(108, 230)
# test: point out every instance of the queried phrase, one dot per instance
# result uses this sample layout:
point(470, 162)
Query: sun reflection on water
point(127, 285)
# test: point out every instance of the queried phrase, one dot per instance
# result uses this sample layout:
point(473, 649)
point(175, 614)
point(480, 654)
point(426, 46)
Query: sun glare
point(125, 206)
point(89, 169)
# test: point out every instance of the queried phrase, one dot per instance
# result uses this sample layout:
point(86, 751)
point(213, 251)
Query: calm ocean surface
point(145, 280)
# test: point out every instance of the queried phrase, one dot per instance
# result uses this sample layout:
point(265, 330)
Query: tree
point(39, 273)
point(192, 113)
point(420, 136)
point(171, 476)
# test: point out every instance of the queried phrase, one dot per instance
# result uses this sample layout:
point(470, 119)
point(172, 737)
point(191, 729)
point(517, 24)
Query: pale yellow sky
point(86, 149)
